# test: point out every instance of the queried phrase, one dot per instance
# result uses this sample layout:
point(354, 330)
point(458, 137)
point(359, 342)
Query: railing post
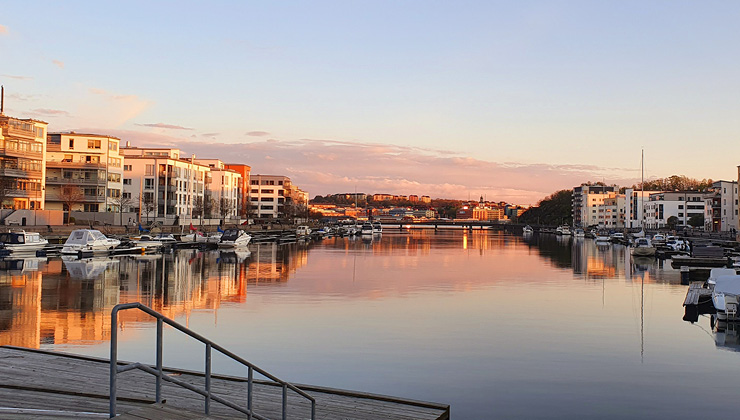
point(113, 362)
point(208, 378)
point(250, 377)
point(159, 360)
point(313, 410)
point(285, 401)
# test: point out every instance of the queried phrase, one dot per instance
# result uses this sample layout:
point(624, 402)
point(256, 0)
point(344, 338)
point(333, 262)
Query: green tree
point(696, 220)
point(672, 222)
point(555, 209)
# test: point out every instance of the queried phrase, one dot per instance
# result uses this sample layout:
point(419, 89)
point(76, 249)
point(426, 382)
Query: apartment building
point(722, 207)
point(244, 171)
point(488, 213)
point(267, 195)
point(680, 204)
point(587, 199)
point(224, 188)
point(22, 162)
point(162, 185)
point(84, 172)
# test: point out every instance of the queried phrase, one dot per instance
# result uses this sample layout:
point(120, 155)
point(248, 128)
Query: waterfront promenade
point(43, 380)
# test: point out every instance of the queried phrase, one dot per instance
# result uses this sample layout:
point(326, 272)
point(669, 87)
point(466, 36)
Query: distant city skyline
point(511, 101)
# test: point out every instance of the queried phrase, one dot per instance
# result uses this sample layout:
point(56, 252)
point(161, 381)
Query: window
point(680, 206)
point(680, 214)
point(92, 159)
point(255, 190)
point(126, 167)
point(267, 199)
point(254, 199)
point(266, 207)
point(113, 145)
point(93, 144)
point(114, 177)
point(150, 170)
point(254, 182)
point(127, 195)
point(148, 183)
point(71, 143)
point(114, 193)
point(126, 181)
point(268, 191)
point(280, 182)
point(114, 162)
point(67, 158)
point(40, 132)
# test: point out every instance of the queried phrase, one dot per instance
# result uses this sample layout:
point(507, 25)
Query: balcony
point(23, 194)
point(68, 164)
point(57, 196)
point(64, 181)
point(20, 173)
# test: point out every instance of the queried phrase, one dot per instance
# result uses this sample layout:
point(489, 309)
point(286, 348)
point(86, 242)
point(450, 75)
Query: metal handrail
point(210, 345)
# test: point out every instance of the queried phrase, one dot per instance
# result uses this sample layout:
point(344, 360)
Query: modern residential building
point(587, 199)
point(84, 172)
point(425, 199)
point(267, 195)
point(680, 204)
point(635, 206)
point(488, 213)
point(22, 162)
point(224, 188)
point(164, 186)
point(722, 207)
point(244, 171)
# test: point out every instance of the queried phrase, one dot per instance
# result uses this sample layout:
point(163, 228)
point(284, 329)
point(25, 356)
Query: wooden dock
point(62, 385)
point(697, 294)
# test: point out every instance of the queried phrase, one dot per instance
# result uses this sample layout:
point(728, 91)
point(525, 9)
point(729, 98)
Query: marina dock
point(34, 381)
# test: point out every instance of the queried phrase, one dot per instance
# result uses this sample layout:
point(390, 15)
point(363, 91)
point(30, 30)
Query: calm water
point(493, 324)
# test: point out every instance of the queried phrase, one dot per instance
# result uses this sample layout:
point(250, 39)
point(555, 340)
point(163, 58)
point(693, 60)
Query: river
point(497, 325)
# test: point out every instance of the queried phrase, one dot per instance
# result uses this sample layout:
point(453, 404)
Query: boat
point(643, 248)
point(367, 228)
point(234, 238)
point(725, 296)
point(89, 240)
point(302, 231)
point(563, 230)
point(148, 243)
point(579, 233)
point(658, 239)
point(675, 243)
point(166, 238)
point(527, 229)
point(22, 241)
point(377, 227)
point(602, 239)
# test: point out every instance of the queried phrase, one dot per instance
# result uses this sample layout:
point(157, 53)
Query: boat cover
point(84, 236)
point(728, 285)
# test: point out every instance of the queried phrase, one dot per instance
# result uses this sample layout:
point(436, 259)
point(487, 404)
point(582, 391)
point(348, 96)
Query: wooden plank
point(62, 381)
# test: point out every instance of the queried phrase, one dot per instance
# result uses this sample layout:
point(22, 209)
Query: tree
point(672, 222)
point(147, 204)
point(696, 220)
point(225, 206)
point(198, 207)
point(122, 201)
point(556, 209)
point(210, 206)
point(70, 195)
point(6, 185)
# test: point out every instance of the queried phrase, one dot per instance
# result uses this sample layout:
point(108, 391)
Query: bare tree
point(122, 201)
point(226, 205)
point(147, 204)
point(6, 185)
point(70, 195)
point(198, 207)
point(211, 206)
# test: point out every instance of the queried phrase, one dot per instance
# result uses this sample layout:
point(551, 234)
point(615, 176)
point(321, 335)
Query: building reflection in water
point(60, 301)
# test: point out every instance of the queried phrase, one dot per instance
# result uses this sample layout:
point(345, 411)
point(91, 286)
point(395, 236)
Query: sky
point(507, 100)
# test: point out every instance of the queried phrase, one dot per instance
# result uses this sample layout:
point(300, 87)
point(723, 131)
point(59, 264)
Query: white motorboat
point(165, 238)
point(234, 238)
point(676, 243)
point(377, 227)
point(658, 239)
point(643, 248)
point(579, 233)
point(366, 229)
point(563, 230)
point(718, 272)
point(602, 239)
point(725, 296)
point(302, 231)
point(527, 229)
point(86, 240)
point(201, 238)
point(22, 241)
point(148, 243)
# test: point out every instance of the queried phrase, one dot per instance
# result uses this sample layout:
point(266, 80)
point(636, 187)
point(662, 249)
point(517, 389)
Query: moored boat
point(302, 231)
point(16, 242)
point(643, 248)
point(234, 238)
point(527, 229)
point(579, 233)
point(367, 228)
point(377, 227)
point(89, 240)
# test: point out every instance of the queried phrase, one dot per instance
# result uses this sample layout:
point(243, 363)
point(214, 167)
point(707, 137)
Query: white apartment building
point(84, 172)
point(611, 214)
point(22, 162)
point(681, 204)
point(586, 202)
point(164, 186)
point(224, 188)
point(722, 209)
point(635, 206)
point(267, 195)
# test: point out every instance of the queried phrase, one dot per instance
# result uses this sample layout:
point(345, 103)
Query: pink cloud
point(167, 126)
point(258, 133)
point(49, 112)
point(4, 30)
point(322, 167)
point(58, 63)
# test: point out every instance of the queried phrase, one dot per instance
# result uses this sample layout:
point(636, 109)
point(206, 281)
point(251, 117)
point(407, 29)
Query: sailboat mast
point(642, 190)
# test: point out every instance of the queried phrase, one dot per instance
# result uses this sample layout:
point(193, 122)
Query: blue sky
point(511, 100)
